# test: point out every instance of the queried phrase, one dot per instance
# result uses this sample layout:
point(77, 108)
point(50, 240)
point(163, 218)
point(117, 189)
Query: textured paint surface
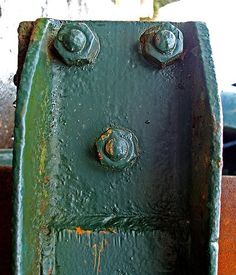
point(169, 196)
point(13, 12)
point(148, 253)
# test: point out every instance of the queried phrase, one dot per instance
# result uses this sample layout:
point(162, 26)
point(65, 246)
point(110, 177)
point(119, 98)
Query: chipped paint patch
point(42, 158)
point(109, 230)
point(80, 231)
point(106, 134)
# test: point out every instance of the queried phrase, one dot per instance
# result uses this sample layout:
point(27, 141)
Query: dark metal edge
point(215, 168)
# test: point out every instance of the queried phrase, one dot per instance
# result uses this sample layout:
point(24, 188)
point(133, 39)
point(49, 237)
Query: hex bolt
point(162, 45)
point(165, 41)
point(73, 41)
point(77, 44)
point(117, 148)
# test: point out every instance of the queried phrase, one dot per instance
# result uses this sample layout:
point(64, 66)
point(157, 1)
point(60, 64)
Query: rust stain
point(46, 179)
point(102, 137)
point(109, 131)
point(42, 159)
point(45, 230)
point(206, 160)
point(109, 147)
point(227, 241)
point(42, 207)
point(99, 155)
point(106, 134)
point(104, 232)
point(182, 56)
point(97, 252)
point(80, 231)
point(217, 127)
point(109, 230)
point(220, 163)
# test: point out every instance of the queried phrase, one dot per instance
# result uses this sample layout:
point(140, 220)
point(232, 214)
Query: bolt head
point(77, 44)
point(162, 45)
point(74, 40)
point(164, 41)
point(117, 148)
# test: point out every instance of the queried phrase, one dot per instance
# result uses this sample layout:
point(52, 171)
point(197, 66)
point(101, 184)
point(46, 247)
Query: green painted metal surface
point(158, 216)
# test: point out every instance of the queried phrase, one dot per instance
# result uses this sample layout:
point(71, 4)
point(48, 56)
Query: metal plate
point(159, 216)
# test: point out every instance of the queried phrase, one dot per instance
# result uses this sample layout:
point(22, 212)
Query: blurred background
point(219, 16)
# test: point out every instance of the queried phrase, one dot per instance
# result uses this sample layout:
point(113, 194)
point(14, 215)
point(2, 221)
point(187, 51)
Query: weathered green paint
point(158, 216)
point(77, 44)
point(117, 148)
point(122, 252)
point(165, 41)
point(162, 44)
point(229, 111)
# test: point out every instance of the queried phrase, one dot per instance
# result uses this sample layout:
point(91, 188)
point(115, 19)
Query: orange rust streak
point(109, 147)
point(104, 232)
point(227, 241)
point(100, 251)
point(109, 230)
point(99, 156)
point(46, 179)
point(106, 134)
point(80, 231)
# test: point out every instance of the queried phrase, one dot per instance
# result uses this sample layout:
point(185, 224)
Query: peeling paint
point(80, 231)
point(42, 158)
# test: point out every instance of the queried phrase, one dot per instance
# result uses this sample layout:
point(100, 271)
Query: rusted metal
point(117, 148)
point(162, 45)
point(227, 242)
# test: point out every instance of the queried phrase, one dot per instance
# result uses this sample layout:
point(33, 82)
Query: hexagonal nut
point(117, 148)
point(162, 44)
point(77, 44)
